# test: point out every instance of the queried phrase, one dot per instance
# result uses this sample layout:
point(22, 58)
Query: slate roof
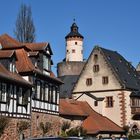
point(67, 87)
point(94, 123)
point(13, 77)
point(123, 70)
point(74, 32)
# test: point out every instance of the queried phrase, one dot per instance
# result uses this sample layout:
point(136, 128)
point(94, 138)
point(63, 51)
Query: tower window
point(105, 80)
point(95, 68)
point(89, 81)
point(73, 50)
point(75, 43)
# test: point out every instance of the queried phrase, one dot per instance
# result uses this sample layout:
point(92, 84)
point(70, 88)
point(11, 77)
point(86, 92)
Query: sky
point(111, 24)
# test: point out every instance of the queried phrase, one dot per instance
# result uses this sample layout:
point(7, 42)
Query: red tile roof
point(36, 46)
point(12, 77)
point(6, 53)
point(71, 108)
point(8, 42)
point(23, 63)
point(94, 123)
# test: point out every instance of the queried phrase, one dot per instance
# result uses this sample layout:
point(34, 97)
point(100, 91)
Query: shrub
point(22, 125)
point(65, 126)
point(45, 127)
point(77, 131)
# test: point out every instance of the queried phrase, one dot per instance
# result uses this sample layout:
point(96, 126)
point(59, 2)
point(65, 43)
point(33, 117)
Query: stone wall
point(11, 132)
point(69, 68)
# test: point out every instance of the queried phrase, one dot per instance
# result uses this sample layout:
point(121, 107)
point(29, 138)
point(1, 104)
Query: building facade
point(110, 84)
point(35, 93)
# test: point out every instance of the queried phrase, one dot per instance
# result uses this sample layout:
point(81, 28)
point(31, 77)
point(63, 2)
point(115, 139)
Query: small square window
point(89, 81)
point(73, 50)
point(95, 68)
point(105, 80)
point(75, 43)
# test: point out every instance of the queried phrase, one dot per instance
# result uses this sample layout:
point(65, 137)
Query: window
point(95, 103)
point(12, 67)
point(3, 92)
point(109, 101)
point(95, 68)
point(20, 96)
point(46, 92)
point(73, 51)
point(46, 63)
point(105, 80)
point(38, 88)
point(135, 102)
point(75, 43)
point(89, 81)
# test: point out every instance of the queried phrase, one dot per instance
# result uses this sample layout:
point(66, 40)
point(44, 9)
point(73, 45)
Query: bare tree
point(24, 28)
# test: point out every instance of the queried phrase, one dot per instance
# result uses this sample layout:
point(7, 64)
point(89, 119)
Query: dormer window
point(46, 63)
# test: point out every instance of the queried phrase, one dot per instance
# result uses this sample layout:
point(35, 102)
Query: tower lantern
point(74, 44)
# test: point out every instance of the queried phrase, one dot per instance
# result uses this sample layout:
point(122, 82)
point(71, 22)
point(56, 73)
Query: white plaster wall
point(78, 55)
point(104, 70)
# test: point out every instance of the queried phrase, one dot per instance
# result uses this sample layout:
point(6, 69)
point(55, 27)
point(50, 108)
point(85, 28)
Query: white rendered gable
point(104, 70)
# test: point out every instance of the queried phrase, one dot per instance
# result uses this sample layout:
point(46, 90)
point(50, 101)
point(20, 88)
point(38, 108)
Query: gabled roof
point(7, 42)
point(6, 53)
point(23, 63)
point(94, 122)
point(12, 77)
point(39, 46)
point(124, 70)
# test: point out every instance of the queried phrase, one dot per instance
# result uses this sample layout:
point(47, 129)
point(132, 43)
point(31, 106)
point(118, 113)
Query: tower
point(70, 68)
point(74, 45)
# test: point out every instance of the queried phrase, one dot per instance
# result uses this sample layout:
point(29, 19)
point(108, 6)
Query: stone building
point(71, 66)
point(111, 86)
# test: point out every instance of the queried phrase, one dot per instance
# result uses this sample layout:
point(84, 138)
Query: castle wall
point(69, 68)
